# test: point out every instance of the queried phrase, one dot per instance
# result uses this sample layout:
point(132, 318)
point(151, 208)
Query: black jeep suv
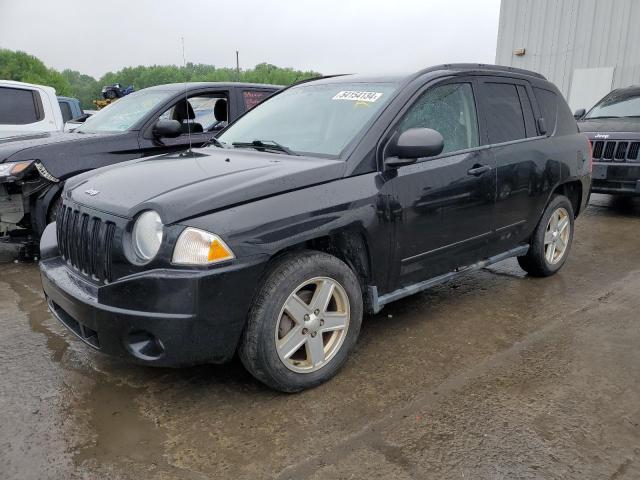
point(613, 127)
point(334, 197)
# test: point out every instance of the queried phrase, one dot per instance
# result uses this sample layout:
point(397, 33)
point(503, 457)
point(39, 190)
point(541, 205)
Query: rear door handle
point(478, 170)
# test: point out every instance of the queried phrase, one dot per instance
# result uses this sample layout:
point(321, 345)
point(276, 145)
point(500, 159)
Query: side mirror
point(578, 114)
point(412, 144)
point(167, 129)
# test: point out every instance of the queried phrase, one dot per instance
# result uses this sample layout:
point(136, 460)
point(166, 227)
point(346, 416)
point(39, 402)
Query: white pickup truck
point(26, 108)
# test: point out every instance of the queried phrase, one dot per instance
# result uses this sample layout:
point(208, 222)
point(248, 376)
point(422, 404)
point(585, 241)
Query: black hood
point(59, 151)
point(612, 125)
point(180, 186)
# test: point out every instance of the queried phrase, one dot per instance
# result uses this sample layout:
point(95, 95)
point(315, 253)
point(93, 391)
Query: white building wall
point(560, 36)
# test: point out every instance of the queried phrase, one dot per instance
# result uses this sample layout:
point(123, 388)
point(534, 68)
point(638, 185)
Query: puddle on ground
point(32, 303)
point(121, 431)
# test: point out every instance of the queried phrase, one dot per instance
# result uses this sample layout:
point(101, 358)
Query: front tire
point(551, 240)
point(304, 321)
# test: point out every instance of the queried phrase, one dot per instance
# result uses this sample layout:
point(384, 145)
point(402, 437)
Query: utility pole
point(237, 66)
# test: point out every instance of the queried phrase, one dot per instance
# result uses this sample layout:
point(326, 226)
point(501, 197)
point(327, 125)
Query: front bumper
point(616, 178)
point(160, 317)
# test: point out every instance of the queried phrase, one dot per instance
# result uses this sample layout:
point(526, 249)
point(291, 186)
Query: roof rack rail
point(480, 66)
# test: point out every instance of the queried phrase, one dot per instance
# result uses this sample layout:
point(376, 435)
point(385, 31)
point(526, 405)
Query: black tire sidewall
point(265, 363)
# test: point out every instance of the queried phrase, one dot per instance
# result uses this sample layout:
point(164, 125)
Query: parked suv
point(613, 127)
point(333, 197)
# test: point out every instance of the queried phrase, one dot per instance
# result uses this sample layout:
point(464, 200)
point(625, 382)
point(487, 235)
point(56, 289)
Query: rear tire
point(303, 322)
point(551, 240)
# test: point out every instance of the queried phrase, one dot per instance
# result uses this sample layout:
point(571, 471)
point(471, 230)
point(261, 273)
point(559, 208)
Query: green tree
point(27, 68)
point(23, 67)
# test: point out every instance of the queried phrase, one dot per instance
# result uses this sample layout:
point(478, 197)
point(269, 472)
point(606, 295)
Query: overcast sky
point(329, 36)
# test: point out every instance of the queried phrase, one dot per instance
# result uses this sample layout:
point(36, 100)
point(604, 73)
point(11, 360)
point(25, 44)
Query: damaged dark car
point(161, 119)
point(332, 198)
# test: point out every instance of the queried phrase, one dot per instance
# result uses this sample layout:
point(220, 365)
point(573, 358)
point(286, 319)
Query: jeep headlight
point(198, 247)
point(13, 168)
point(147, 235)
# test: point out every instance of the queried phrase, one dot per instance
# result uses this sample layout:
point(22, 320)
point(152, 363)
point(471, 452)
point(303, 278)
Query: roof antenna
point(186, 101)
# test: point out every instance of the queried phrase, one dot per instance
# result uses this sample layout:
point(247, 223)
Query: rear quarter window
point(19, 106)
point(548, 103)
point(65, 108)
point(252, 98)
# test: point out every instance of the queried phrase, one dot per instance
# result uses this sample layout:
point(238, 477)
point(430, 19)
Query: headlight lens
point(197, 247)
point(147, 235)
point(13, 168)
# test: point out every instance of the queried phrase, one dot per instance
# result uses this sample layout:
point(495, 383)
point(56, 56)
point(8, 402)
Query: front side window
point(313, 119)
point(18, 106)
point(125, 112)
point(621, 103)
point(201, 113)
point(450, 110)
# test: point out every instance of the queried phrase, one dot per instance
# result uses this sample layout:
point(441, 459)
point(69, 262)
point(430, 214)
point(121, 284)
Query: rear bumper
point(616, 178)
point(162, 317)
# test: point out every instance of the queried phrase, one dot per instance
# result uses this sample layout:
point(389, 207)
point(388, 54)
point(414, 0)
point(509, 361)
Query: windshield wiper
point(264, 145)
point(602, 116)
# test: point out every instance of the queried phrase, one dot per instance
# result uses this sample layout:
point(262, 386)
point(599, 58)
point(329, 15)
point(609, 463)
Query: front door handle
point(478, 170)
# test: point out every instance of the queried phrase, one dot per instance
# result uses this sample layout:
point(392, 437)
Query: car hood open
point(180, 186)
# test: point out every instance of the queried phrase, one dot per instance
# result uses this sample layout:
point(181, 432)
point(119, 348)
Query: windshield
point(312, 119)
point(123, 114)
point(617, 104)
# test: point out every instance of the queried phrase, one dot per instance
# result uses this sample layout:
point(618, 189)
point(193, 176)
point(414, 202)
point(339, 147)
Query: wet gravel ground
point(495, 375)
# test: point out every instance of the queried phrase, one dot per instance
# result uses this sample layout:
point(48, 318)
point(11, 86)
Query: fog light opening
point(144, 345)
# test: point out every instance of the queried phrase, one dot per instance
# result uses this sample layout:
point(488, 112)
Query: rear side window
point(66, 111)
point(505, 119)
point(548, 102)
point(450, 110)
point(254, 97)
point(19, 106)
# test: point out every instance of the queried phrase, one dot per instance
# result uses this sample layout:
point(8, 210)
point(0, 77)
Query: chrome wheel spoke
point(296, 309)
point(551, 250)
point(322, 295)
point(562, 225)
point(291, 342)
point(548, 237)
point(334, 321)
point(315, 350)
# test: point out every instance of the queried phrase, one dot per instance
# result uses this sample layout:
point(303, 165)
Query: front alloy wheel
point(312, 324)
point(303, 322)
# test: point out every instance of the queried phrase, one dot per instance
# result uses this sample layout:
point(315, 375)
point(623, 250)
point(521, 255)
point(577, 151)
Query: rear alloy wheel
point(551, 240)
point(303, 322)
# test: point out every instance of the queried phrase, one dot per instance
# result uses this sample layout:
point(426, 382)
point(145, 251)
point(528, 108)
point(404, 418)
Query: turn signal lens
point(13, 168)
point(197, 247)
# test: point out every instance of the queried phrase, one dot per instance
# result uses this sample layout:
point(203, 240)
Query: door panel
point(446, 216)
point(524, 172)
point(445, 204)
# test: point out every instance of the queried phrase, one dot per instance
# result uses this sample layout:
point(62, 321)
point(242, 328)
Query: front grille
point(86, 242)
point(618, 150)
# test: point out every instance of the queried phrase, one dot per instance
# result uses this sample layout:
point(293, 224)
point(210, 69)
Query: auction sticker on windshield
point(357, 96)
